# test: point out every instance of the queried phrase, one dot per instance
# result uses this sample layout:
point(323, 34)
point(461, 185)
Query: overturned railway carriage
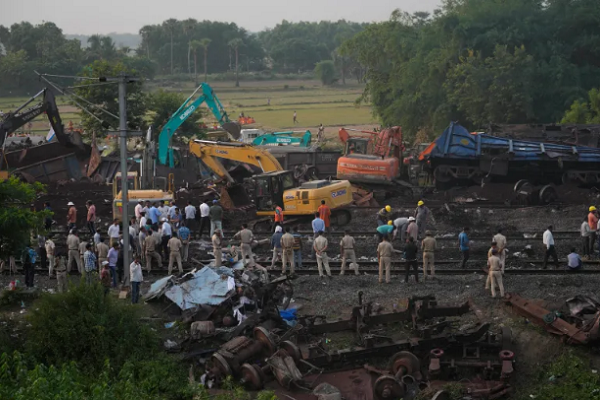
point(459, 157)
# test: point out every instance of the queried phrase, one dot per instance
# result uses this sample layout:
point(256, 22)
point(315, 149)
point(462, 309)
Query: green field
point(315, 104)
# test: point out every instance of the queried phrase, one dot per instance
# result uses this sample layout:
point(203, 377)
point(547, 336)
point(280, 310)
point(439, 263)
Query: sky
point(88, 17)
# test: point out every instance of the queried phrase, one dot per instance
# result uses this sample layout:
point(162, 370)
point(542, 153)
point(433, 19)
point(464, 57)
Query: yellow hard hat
point(592, 208)
point(390, 223)
point(388, 208)
point(420, 203)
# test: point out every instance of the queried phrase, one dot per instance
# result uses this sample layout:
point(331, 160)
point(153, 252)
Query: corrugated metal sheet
point(206, 287)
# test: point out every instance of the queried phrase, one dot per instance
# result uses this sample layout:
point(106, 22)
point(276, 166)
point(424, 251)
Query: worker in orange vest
point(278, 216)
point(324, 214)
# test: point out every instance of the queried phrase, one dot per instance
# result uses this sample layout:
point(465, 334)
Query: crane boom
point(165, 153)
point(210, 152)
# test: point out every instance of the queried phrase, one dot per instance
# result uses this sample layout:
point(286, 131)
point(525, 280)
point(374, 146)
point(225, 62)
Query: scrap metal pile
point(242, 323)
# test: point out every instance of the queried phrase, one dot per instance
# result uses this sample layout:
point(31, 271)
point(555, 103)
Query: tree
point(163, 104)
point(204, 43)
point(235, 45)
point(325, 71)
point(18, 221)
point(106, 97)
point(171, 25)
point(12, 67)
point(196, 45)
point(582, 112)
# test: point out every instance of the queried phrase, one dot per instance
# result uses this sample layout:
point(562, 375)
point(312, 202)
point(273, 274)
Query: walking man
point(184, 235)
point(136, 278)
point(190, 216)
point(385, 250)
point(593, 222)
point(495, 274)
point(216, 216)
point(50, 248)
point(500, 240)
point(217, 242)
point(71, 216)
point(585, 237)
point(73, 249)
point(429, 246)
point(204, 217)
point(410, 255)
point(150, 244)
point(548, 240)
point(276, 245)
point(246, 237)
point(295, 121)
point(114, 232)
point(320, 247)
point(174, 245)
point(89, 264)
point(297, 247)
point(91, 216)
point(347, 250)
point(325, 214)
point(287, 248)
point(464, 245)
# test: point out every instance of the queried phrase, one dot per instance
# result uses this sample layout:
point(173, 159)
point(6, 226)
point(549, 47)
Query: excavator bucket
point(233, 128)
point(235, 197)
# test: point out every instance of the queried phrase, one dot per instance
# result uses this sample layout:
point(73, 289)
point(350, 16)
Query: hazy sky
point(128, 16)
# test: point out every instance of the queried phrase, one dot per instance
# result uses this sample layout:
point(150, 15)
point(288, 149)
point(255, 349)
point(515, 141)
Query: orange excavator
point(372, 159)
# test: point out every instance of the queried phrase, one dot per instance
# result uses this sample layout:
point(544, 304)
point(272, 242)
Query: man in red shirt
point(91, 217)
point(279, 216)
point(325, 214)
point(593, 223)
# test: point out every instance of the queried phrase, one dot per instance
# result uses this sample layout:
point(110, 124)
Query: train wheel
point(442, 174)
point(548, 195)
point(388, 388)
point(341, 217)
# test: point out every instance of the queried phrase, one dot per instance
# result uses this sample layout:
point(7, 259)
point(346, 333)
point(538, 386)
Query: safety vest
point(278, 214)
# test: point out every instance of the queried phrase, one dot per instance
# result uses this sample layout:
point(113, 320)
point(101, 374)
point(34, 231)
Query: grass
point(314, 103)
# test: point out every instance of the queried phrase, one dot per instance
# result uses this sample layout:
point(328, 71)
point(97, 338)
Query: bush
point(83, 325)
point(325, 71)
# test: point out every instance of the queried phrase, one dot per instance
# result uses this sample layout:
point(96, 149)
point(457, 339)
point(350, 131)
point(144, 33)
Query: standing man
point(91, 216)
point(50, 248)
point(384, 215)
point(217, 242)
point(410, 255)
point(73, 248)
point(318, 225)
point(150, 244)
point(144, 221)
point(401, 224)
point(142, 243)
point(204, 217)
point(495, 273)
point(421, 215)
point(48, 220)
point(216, 217)
point(138, 210)
point(428, 245)
point(61, 273)
point(385, 250)
point(320, 247)
point(89, 264)
point(500, 240)
point(172, 209)
point(593, 222)
point(102, 250)
point(163, 209)
point(175, 245)
point(113, 257)
point(246, 237)
point(287, 248)
point(154, 215)
point(42, 251)
point(585, 237)
point(385, 230)
point(295, 121)
point(347, 250)
point(276, 245)
point(136, 278)
point(28, 258)
point(325, 214)
point(71, 216)
point(184, 235)
point(97, 237)
point(190, 216)
point(114, 232)
point(297, 247)
point(165, 234)
point(548, 240)
point(278, 216)
point(82, 248)
point(464, 245)
point(320, 134)
point(412, 230)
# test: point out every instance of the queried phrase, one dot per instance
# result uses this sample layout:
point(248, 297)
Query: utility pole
point(124, 181)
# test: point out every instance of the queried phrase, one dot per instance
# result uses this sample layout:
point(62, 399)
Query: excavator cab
point(269, 189)
point(357, 146)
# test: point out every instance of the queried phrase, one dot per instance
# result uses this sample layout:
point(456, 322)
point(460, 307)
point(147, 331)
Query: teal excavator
point(165, 151)
point(283, 139)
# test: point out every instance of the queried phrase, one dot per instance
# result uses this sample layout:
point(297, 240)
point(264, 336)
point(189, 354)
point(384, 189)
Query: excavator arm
point(210, 153)
point(165, 153)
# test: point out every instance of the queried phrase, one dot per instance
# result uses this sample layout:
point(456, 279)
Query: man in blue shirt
point(318, 225)
point(154, 214)
point(464, 245)
point(386, 231)
point(184, 235)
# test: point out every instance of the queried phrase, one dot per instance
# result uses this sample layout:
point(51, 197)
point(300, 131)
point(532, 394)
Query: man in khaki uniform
point(217, 241)
point(73, 246)
point(61, 272)
point(347, 250)
point(82, 249)
point(246, 237)
point(385, 250)
point(320, 247)
point(102, 250)
point(287, 248)
point(428, 245)
point(151, 253)
point(495, 273)
point(500, 240)
point(175, 246)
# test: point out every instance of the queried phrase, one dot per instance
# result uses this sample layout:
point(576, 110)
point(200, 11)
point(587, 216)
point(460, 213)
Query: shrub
point(85, 326)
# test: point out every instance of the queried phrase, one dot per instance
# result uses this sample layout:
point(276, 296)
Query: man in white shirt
point(586, 232)
point(135, 274)
point(575, 263)
point(548, 241)
point(190, 216)
point(97, 237)
point(50, 248)
point(113, 232)
point(500, 241)
point(164, 210)
point(138, 209)
point(204, 218)
point(143, 220)
point(400, 224)
point(165, 233)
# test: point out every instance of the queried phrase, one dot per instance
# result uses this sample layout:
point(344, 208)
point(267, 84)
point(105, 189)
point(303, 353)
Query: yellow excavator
point(274, 186)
